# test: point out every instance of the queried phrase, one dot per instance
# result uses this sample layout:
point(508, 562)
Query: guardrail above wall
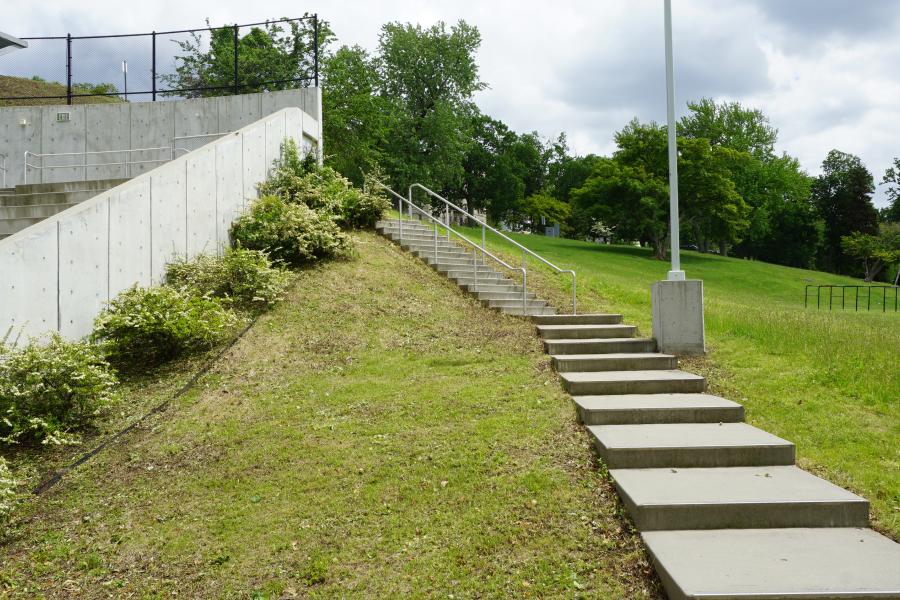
point(58, 274)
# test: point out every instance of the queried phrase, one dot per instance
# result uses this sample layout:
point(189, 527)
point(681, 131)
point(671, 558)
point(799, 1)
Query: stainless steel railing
point(85, 165)
point(412, 208)
point(484, 227)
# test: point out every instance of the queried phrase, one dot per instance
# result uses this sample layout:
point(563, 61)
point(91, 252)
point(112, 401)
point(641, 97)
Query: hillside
point(377, 435)
point(21, 86)
point(826, 380)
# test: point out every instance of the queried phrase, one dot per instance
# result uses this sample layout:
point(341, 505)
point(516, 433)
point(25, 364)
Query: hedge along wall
point(57, 275)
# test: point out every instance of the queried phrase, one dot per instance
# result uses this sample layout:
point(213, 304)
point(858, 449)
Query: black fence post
point(316, 48)
point(236, 84)
point(153, 64)
point(68, 68)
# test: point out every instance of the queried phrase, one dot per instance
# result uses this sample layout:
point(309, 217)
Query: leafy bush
point(46, 390)
point(324, 190)
point(242, 276)
point(7, 493)
point(148, 326)
point(291, 233)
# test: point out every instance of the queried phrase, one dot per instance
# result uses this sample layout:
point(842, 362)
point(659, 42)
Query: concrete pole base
point(678, 316)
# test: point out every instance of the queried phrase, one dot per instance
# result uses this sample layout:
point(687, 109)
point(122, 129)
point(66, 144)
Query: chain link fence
point(187, 63)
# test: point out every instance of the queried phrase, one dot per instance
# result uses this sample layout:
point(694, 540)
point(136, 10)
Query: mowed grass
point(42, 92)
point(827, 380)
point(377, 435)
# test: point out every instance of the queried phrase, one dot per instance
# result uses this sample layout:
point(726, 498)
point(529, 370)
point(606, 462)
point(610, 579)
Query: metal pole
point(68, 68)
point(676, 274)
point(237, 88)
point(483, 261)
point(125, 76)
point(153, 65)
point(316, 49)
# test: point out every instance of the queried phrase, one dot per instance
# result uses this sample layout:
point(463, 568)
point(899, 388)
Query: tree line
point(407, 110)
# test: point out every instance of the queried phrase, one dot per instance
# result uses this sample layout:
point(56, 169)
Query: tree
point(430, 76)
point(891, 178)
point(843, 196)
point(730, 125)
point(629, 200)
point(876, 251)
point(273, 57)
point(357, 118)
point(538, 208)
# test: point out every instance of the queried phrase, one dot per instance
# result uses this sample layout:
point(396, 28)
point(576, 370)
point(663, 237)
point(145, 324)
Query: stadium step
point(576, 332)
point(613, 361)
point(637, 409)
point(598, 345)
point(663, 381)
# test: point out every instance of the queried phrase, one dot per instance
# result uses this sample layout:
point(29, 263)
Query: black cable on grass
point(57, 477)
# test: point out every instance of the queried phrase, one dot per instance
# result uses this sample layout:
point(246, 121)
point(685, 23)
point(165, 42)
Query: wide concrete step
point(776, 564)
point(95, 185)
point(48, 198)
point(11, 226)
point(505, 286)
point(613, 361)
point(599, 345)
point(736, 498)
point(450, 253)
point(639, 409)
point(689, 445)
point(33, 211)
point(468, 275)
point(663, 381)
point(574, 332)
point(513, 303)
point(587, 319)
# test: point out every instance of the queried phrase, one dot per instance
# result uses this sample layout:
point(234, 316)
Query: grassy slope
point(14, 87)
point(377, 435)
point(828, 381)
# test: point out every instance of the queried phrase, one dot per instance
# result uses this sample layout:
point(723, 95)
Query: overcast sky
point(827, 72)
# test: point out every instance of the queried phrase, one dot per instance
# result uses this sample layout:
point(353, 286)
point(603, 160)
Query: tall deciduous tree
point(843, 196)
point(875, 251)
point(892, 180)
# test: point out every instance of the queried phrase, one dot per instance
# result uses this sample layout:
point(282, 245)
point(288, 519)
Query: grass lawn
point(377, 435)
point(827, 380)
point(14, 87)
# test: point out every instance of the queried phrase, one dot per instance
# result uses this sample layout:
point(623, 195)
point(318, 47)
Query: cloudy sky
point(825, 71)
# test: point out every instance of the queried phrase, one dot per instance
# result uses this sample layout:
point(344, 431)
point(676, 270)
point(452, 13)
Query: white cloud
point(825, 71)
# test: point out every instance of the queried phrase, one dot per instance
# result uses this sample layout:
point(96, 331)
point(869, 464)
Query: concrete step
point(588, 319)
point(776, 564)
point(11, 226)
point(689, 445)
point(504, 295)
point(574, 332)
point(531, 311)
point(613, 361)
point(599, 345)
point(483, 276)
point(452, 254)
point(638, 409)
point(507, 286)
point(513, 303)
point(663, 381)
point(736, 498)
point(33, 211)
point(48, 198)
point(94, 185)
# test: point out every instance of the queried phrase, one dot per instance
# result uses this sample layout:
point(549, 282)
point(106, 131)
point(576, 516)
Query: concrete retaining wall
point(127, 126)
point(57, 275)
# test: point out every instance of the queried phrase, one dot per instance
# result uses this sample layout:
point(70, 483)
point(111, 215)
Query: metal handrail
point(484, 226)
point(84, 164)
point(450, 230)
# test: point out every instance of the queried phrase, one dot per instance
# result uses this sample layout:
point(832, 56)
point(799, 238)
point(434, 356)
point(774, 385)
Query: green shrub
point(290, 233)
point(8, 486)
point(148, 326)
point(243, 277)
point(324, 190)
point(47, 390)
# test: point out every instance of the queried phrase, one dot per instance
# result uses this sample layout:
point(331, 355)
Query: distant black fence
point(888, 297)
point(152, 64)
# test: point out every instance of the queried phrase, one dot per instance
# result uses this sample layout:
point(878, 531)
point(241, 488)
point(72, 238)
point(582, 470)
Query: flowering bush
point(47, 390)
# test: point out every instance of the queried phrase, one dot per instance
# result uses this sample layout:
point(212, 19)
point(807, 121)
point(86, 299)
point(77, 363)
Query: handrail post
point(574, 296)
point(400, 217)
point(524, 292)
point(482, 244)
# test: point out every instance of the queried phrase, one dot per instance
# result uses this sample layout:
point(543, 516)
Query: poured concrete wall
point(126, 126)
point(57, 275)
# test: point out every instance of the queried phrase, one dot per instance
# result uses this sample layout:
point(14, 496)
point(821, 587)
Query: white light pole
point(125, 76)
point(675, 274)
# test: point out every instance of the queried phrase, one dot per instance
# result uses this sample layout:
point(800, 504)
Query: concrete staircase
point(493, 288)
point(721, 507)
point(25, 205)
